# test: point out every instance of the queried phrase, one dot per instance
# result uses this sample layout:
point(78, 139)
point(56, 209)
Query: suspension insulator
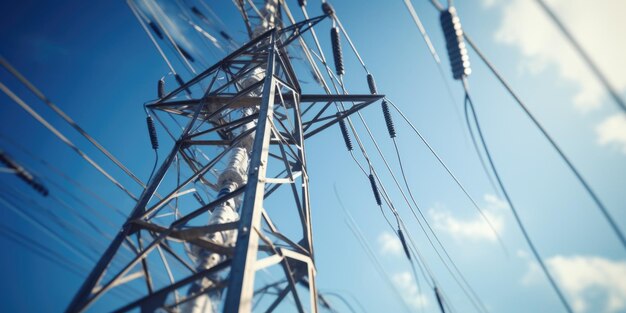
point(457, 52)
point(439, 300)
point(152, 132)
point(161, 88)
point(375, 189)
point(328, 9)
point(199, 14)
point(156, 30)
point(24, 175)
point(180, 82)
point(404, 245)
point(344, 132)
point(337, 53)
point(372, 84)
point(302, 3)
point(388, 120)
point(225, 35)
point(185, 53)
point(199, 199)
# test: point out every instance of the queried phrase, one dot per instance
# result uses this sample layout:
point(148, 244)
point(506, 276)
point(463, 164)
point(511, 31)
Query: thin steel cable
point(584, 55)
point(478, 303)
point(436, 58)
point(427, 223)
point(349, 294)
point(342, 299)
point(531, 245)
point(68, 119)
point(44, 228)
point(354, 228)
point(65, 140)
point(482, 160)
point(467, 289)
point(60, 173)
point(545, 134)
point(364, 152)
point(443, 164)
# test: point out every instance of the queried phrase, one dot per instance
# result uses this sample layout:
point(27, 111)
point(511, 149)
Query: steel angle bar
point(163, 292)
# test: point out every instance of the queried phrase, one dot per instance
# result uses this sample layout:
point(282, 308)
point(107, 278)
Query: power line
point(68, 119)
point(65, 140)
point(456, 180)
point(555, 287)
point(583, 54)
point(545, 134)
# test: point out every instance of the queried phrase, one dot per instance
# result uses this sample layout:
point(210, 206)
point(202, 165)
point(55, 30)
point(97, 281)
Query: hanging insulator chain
point(152, 132)
point(161, 88)
point(388, 120)
point(302, 3)
point(23, 174)
point(404, 245)
point(375, 189)
point(457, 52)
point(155, 29)
point(182, 83)
point(337, 53)
point(439, 300)
point(199, 198)
point(328, 9)
point(372, 84)
point(344, 132)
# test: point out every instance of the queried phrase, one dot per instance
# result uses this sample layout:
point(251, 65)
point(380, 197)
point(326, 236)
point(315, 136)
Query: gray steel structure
point(280, 118)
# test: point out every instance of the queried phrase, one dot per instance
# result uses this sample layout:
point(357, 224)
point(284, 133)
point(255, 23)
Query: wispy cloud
point(474, 228)
point(409, 290)
point(612, 132)
point(592, 283)
point(389, 244)
point(597, 25)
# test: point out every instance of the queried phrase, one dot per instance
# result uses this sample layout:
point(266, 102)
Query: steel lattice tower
point(244, 124)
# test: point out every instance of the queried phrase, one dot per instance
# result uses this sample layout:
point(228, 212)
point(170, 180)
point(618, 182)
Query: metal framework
point(250, 106)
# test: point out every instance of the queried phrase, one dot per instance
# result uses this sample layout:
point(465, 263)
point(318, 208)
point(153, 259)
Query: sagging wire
point(372, 85)
point(449, 171)
point(339, 69)
point(354, 228)
point(65, 140)
point(74, 124)
point(469, 105)
point(461, 281)
point(65, 177)
point(349, 294)
point(49, 255)
point(552, 142)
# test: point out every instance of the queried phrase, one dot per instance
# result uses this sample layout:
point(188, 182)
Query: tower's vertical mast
point(241, 146)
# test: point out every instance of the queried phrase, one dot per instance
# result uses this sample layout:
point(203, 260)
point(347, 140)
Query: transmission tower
point(239, 158)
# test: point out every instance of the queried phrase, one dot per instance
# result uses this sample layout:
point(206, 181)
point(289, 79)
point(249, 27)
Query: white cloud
point(475, 228)
point(612, 131)
point(591, 283)
point(389, 244)
point(409, 290)
point(597, 25)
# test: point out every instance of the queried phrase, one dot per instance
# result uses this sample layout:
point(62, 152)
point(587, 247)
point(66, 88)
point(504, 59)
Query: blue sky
point(95, 62)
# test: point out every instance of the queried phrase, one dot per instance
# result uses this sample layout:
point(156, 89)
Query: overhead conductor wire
point(552, 142)
point(65, 140)
point(380, 182)
point(469, 105)
point(583, 54)
point(459, 62)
